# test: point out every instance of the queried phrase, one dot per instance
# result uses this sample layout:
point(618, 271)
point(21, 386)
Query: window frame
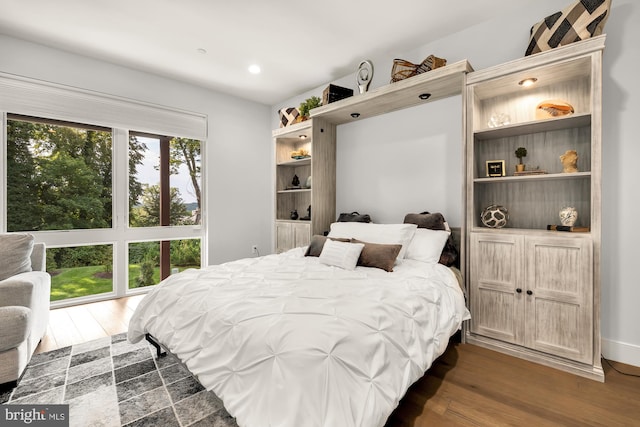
point(77, 107)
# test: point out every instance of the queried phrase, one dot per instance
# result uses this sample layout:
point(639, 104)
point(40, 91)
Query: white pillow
point(376, 233)
point(340, 254)
point(427, 245)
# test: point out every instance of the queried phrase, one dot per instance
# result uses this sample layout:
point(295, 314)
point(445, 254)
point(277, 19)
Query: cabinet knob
point(518, 290)
point(529, 292)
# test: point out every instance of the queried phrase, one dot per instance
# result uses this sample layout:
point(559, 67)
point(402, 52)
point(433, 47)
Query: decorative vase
point(494, 216)
point(294, 214)
point(308, 183)
point(568, 216)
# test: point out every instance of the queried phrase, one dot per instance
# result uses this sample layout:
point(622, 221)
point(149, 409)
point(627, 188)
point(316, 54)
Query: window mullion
point(120, 209)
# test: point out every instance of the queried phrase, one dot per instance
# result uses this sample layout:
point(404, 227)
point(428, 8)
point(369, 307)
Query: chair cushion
point(14, 326)
point(15, 253)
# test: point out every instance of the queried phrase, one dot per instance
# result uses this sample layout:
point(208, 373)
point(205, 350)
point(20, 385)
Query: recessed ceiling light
point(201, 51)
point(254, 69)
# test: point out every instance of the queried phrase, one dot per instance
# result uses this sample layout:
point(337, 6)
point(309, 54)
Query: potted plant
point(307, 105)
point(520, 153)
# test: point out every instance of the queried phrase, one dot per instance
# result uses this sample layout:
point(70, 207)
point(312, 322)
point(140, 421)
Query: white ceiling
point(298, 44)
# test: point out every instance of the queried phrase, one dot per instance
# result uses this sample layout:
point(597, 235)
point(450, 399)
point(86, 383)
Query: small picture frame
point(495, 168)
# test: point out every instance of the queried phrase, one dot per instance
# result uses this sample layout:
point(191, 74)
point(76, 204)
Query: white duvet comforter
point(285, 341)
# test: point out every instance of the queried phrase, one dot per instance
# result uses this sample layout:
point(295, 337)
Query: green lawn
point(82, 281)
point(78, 282)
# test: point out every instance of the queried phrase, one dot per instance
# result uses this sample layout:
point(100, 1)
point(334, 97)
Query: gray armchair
point(24, 304)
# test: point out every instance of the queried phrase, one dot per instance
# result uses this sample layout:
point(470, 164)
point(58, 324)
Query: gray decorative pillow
point(581, 20)
point(15, 254)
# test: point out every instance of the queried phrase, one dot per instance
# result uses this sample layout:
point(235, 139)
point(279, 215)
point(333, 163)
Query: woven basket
point(403, 69)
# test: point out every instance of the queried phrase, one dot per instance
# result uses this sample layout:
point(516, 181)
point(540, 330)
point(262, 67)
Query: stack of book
point(567, 228)
point(531, 172)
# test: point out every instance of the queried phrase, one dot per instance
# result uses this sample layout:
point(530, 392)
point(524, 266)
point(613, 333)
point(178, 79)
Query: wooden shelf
point(541, 177)
point(564, 63)
point(294, 162)
point(294, 131)
point(537, 126)
point(532, 232)
point(297, 190)
point(294, 221)
point(439, 83)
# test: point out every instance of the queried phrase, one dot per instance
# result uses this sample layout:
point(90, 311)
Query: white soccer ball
point(494, 216)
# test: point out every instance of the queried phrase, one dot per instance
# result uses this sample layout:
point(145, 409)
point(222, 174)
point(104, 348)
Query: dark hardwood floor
point(466, 386)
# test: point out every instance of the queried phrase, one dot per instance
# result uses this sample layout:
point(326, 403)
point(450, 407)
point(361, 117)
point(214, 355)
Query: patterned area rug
point(110, 382)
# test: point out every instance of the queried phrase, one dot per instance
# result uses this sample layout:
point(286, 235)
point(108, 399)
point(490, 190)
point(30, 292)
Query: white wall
point(238, 198)
point(411, 160)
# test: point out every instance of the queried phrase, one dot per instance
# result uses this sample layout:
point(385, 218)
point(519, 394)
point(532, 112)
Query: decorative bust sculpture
point(569, 161)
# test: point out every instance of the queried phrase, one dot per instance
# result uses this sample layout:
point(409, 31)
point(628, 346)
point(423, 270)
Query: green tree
point(23, 181)
point(136, 158)
point(72, 194)
point(148, 213)
point(146, 274)
point(185, 252)
point(86, 148)
point(184, 151)
point(60, 177)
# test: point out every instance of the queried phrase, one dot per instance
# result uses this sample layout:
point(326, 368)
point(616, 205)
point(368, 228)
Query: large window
point(119, 210)
point(164, 190)
point(58, 176)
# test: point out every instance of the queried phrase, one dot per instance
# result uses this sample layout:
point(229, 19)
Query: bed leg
point(155, 343)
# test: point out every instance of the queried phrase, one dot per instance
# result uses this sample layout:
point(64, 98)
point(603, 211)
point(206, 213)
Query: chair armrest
point(39, 257)
point(14, 326)
point(25, 289)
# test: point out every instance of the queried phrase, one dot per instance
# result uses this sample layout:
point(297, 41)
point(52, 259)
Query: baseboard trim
point(593, 372)
point(621, 352)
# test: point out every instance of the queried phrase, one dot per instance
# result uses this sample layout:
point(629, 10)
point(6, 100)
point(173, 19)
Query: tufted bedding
point(287, 341)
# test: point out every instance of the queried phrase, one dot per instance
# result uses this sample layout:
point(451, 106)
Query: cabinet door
point(496, 276)
point(301, 234)
point(284, 237)
point(559, 309)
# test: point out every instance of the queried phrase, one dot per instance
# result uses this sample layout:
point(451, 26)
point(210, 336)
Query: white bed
point(286, 340)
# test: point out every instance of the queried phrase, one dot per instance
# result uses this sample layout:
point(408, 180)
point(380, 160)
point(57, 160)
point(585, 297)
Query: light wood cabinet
point(536, 293)
point(291, 235)
point(317, 137)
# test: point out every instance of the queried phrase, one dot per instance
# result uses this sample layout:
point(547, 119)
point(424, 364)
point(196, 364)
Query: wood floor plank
point(47, 343)
point(468, 386)
point(111, 316)
point(486, 388)
point(88, 327)
point(63, 328)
